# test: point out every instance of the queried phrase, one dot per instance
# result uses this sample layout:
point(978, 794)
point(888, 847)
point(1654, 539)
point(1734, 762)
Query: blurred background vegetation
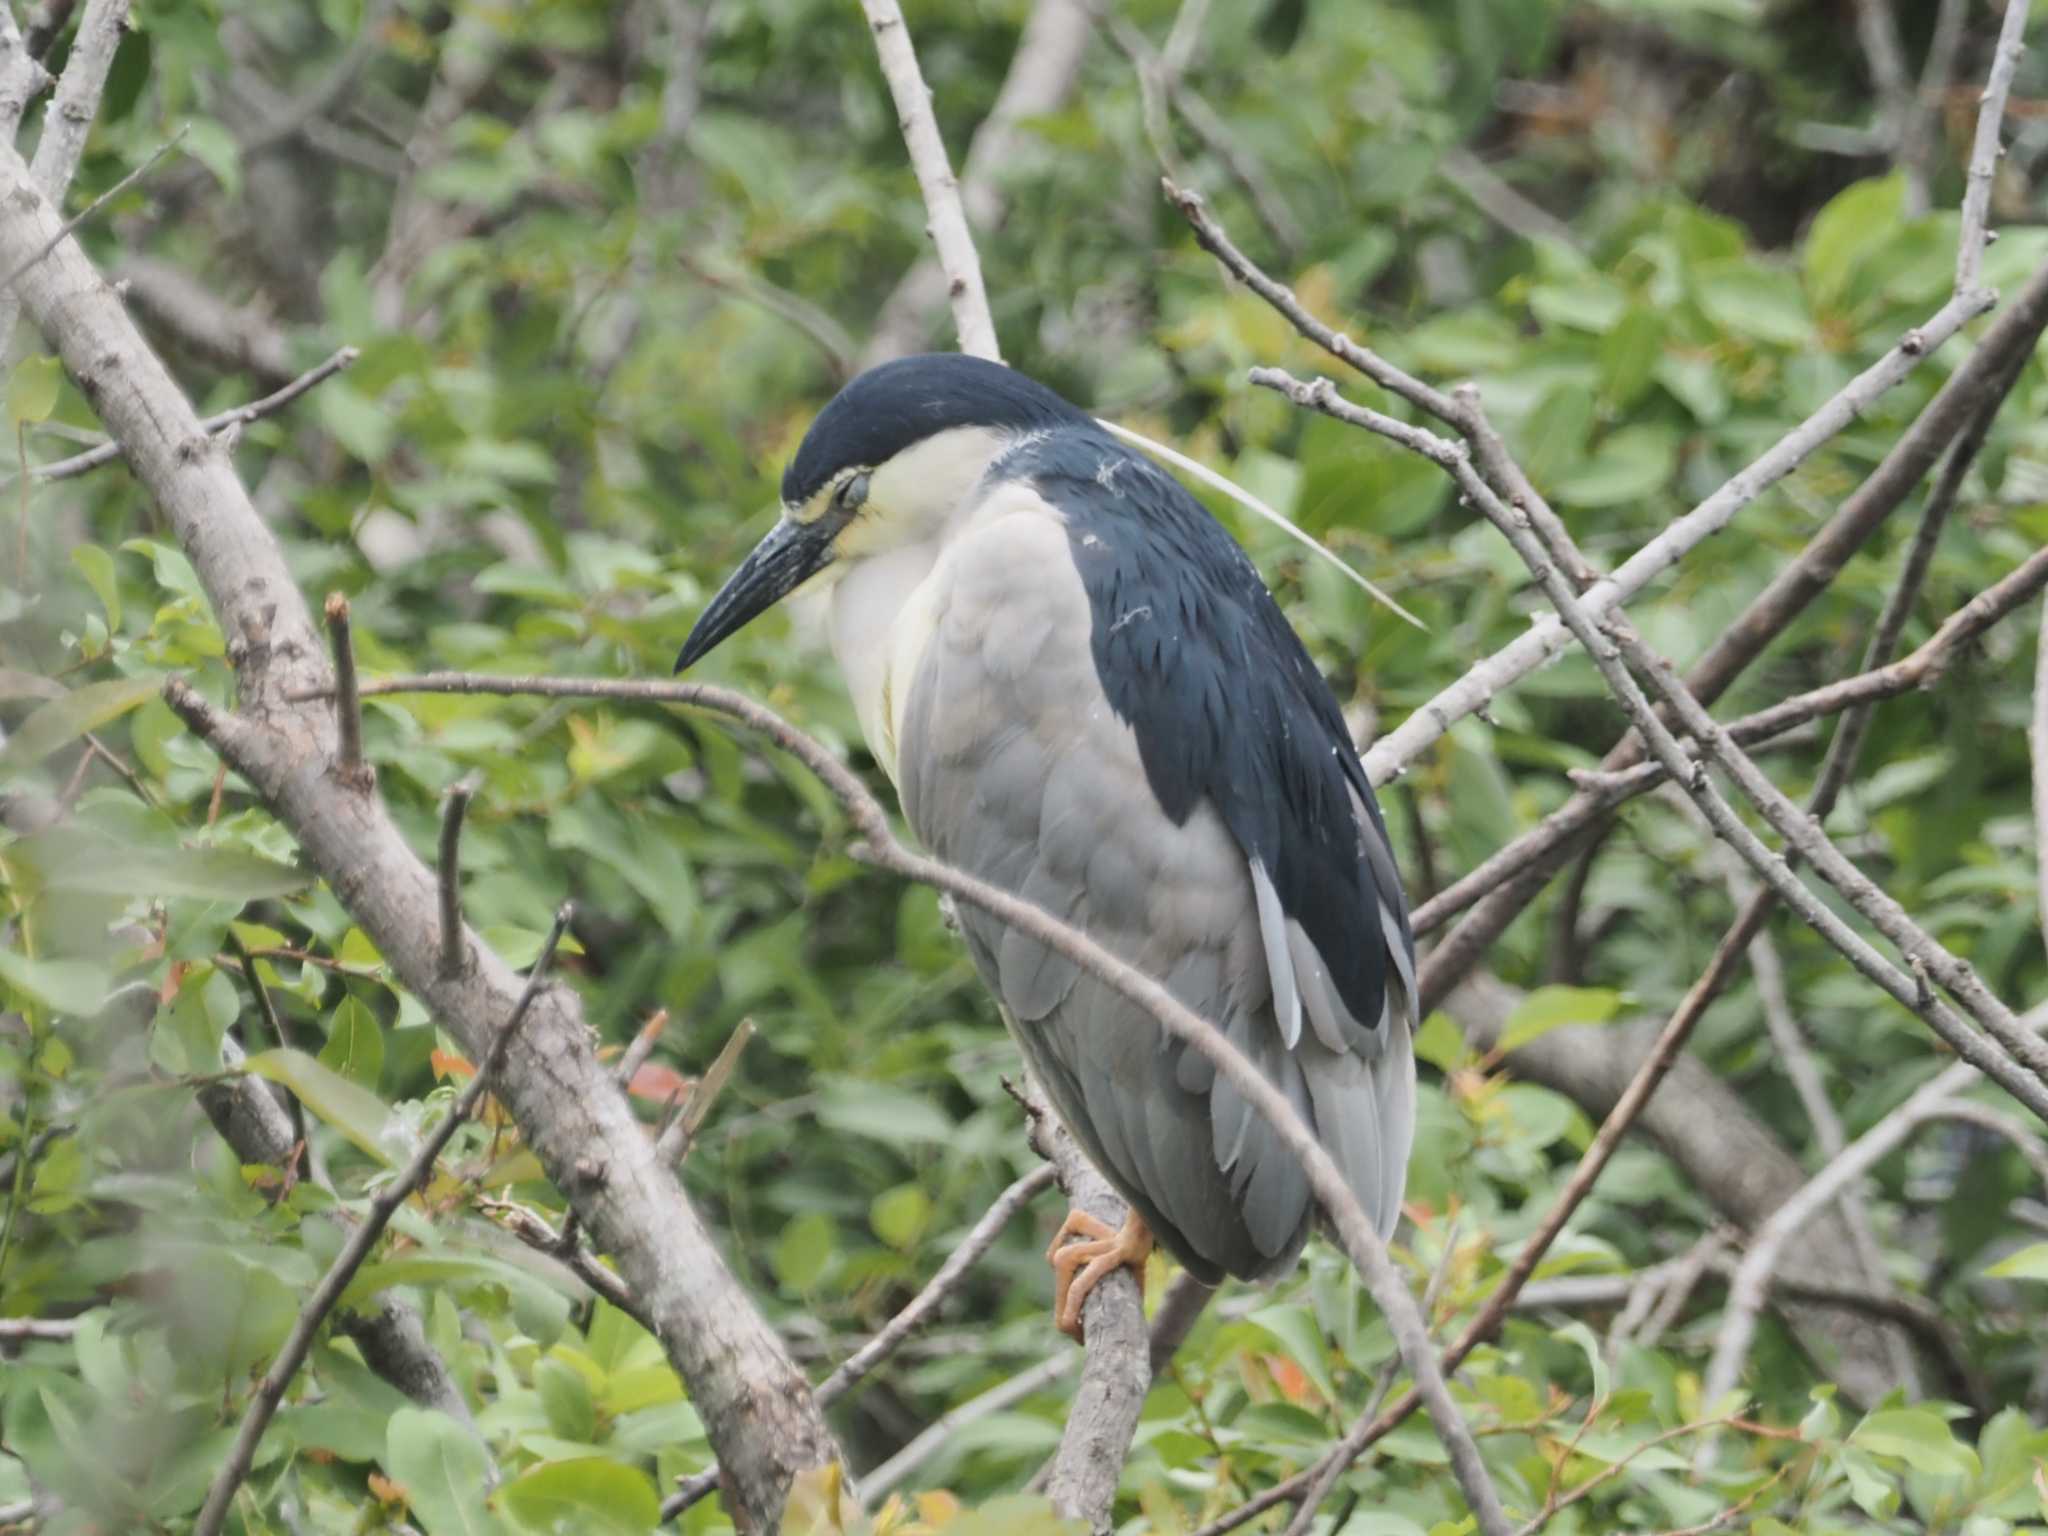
point(603, 260)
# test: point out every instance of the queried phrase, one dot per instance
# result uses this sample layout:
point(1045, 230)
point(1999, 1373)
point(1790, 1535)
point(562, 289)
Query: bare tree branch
point(1042, 74)
point(2037, 743)
point(292, 1354)
point(979, 1239)
point(1986, 151)
point(1603, 790)
point(755, 1403)
point(1878, 32)
point(221, 426)
point(204, 325)
point(67, 121)
point(1747, 1292)
point(22, 76)
point(951, 238)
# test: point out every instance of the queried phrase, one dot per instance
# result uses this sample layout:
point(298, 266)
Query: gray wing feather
point(1011, 765)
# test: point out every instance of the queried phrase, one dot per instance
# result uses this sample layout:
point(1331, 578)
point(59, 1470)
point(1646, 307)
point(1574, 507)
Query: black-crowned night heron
point(1085, 695)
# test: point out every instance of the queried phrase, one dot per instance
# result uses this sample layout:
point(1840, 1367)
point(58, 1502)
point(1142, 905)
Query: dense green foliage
point(566, 424)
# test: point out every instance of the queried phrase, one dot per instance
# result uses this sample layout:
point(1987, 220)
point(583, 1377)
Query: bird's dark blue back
point(1225, 702)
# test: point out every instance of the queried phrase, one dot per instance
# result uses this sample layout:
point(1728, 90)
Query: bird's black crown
point(891, 407)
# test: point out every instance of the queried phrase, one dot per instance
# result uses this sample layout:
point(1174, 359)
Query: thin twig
point(1612, 638)
point(531, 1230)
point(448, 872)
point(348, 705)
point(20, 1330)
point(980, 1238)
point(1878, 32)
point(70, 225)
point(68, 120)
point(1605, 790)
point(1747, 1291)
point(948, 227)
point(681, 1134)
point(1986, 151)
point(2037, 744)
point(270, 1391)
point(213, 426)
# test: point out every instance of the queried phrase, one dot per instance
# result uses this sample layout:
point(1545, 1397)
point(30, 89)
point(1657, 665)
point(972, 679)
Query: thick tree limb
point(755, 1403)
point(67, 121)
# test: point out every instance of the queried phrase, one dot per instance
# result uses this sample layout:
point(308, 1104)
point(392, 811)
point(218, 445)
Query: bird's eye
point(853, 491)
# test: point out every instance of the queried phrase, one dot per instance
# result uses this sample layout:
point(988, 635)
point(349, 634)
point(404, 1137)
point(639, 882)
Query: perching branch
point(880, 848)
point(270, 1391)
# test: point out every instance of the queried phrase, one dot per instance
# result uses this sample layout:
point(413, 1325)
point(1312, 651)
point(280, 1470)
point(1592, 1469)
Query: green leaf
point(565, 1397)
point(65, 720)
point(2029, 1263)
point(594, 1494)
point(1301, 1337)
point(75, 987)
point(1859, 221)
point(900, 1215)
point(1628, 356)
point(79, 860)
point(1919, 1437)
point(352, 1110)
point(803, 1251)
point(1581, 1335)
point(32, 390)
point(97, 567)
point(880, 1111)
point(444, 1471)
point(1756, 301)
point(1549, 1008)
point(541, 1308)
point(1632, 464)
point(355, 1044)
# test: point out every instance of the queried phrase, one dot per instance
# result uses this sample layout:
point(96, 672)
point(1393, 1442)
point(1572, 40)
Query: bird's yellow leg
point(1100, 1253)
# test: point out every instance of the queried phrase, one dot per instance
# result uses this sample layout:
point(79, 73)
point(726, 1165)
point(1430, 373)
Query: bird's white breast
point(883, 609)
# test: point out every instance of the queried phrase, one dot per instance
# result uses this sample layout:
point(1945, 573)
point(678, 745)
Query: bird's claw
point(1101, 1252)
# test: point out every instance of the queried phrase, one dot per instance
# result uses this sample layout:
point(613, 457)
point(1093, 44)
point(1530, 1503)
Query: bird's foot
point(1100, 1253)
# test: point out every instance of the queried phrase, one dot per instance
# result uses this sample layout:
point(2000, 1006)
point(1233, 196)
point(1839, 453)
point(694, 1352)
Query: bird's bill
point(789, 556)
